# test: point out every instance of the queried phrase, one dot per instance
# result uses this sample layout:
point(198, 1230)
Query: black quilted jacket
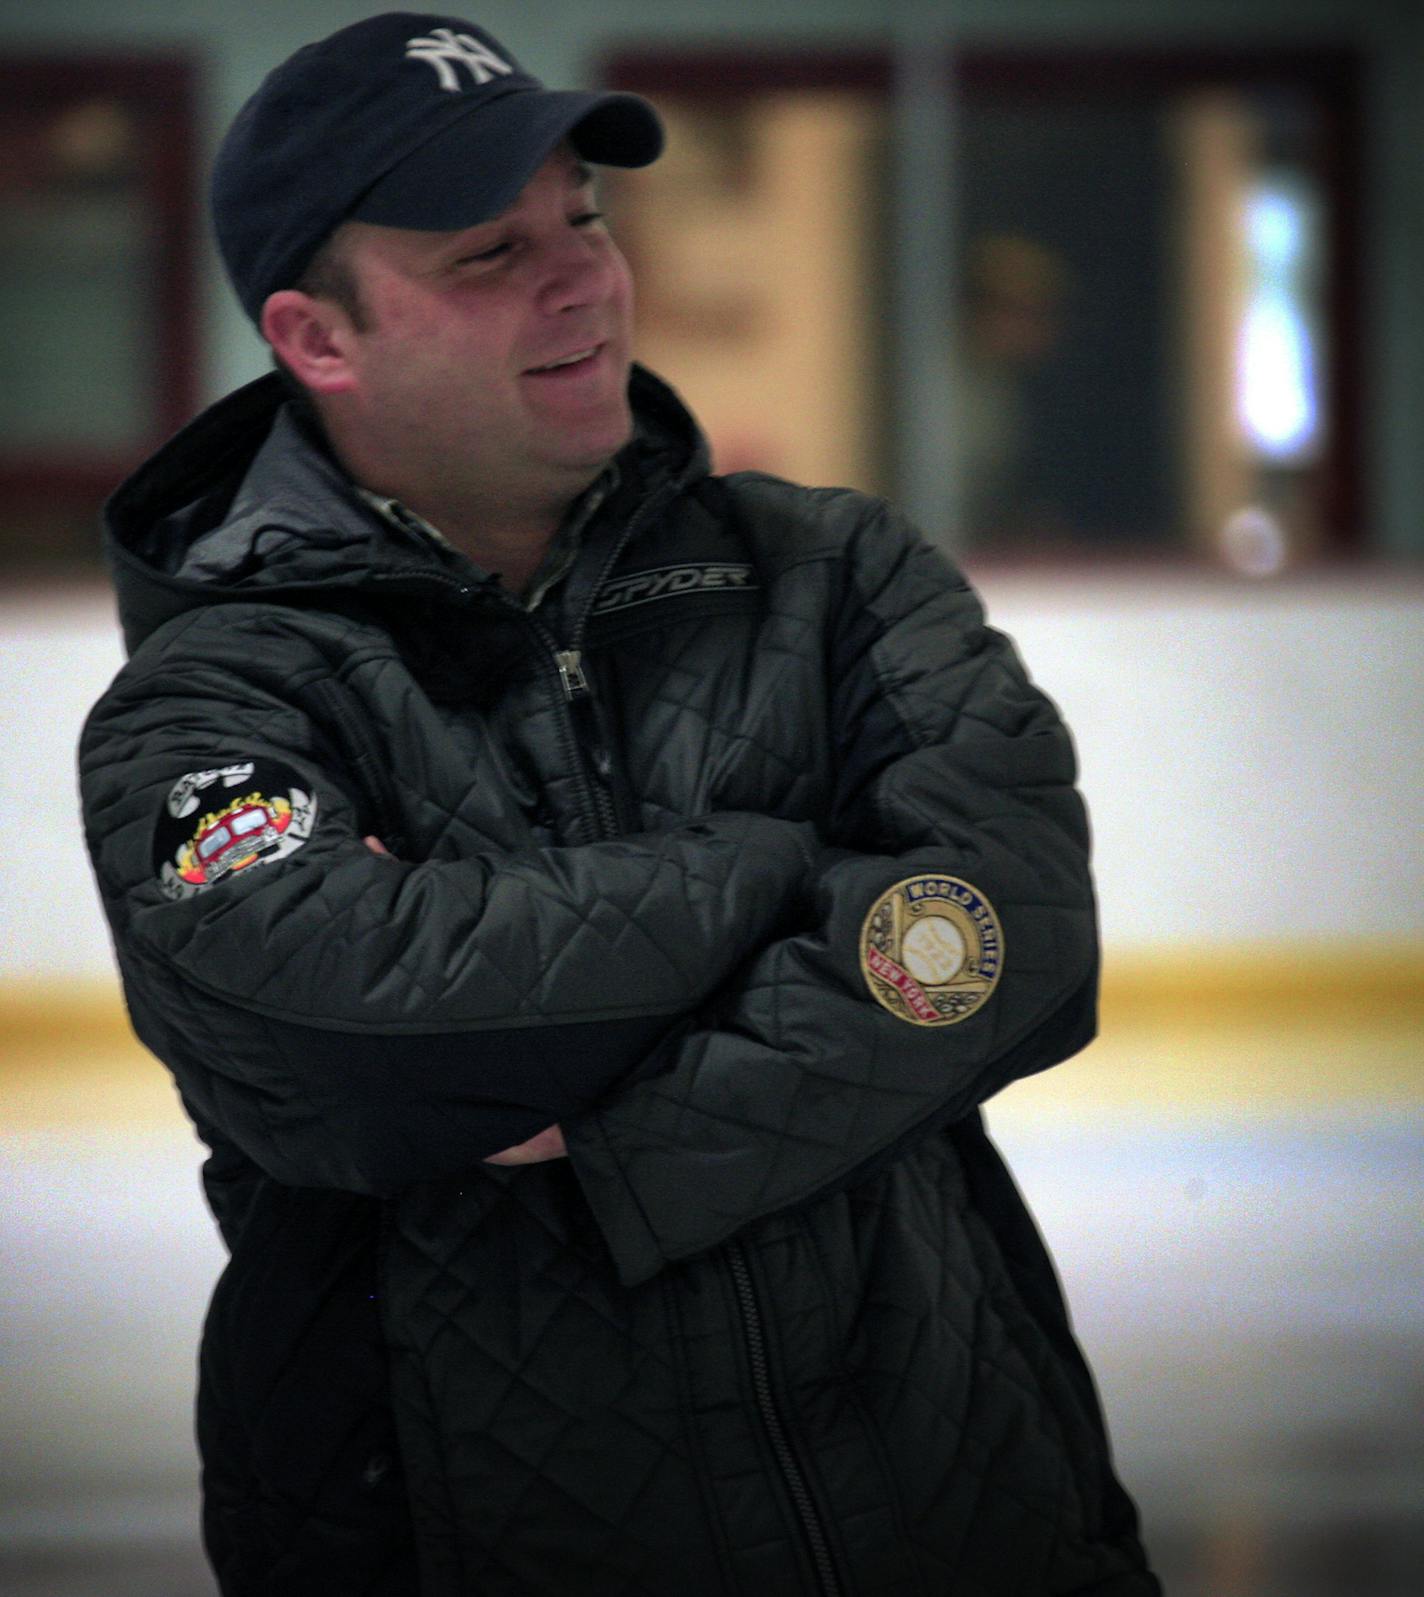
point(780, 1324)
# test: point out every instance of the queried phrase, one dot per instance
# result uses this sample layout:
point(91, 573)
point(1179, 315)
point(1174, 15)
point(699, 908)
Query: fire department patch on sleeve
point(931, 950)
point(219, 823)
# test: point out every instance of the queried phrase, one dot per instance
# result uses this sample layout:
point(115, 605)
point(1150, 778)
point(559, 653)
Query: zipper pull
point(575, 683)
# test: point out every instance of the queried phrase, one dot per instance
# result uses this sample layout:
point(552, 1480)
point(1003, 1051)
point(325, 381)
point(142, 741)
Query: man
point(583, 902)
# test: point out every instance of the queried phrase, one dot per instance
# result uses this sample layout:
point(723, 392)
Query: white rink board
point(1251, 756)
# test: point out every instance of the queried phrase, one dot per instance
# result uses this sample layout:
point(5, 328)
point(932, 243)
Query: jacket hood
point(246, 503)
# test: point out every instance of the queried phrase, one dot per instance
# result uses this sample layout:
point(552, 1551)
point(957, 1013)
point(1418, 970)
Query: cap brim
point(476, 167)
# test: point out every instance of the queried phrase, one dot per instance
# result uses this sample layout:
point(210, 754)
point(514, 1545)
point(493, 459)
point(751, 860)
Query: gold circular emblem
point(931, 950)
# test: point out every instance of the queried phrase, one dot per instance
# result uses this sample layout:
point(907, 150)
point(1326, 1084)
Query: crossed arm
point(792, 1079)
point(543, 1145)
point(364, 1023)
point(361, 1022)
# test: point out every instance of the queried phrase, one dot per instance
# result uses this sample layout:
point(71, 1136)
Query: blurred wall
point(1251, 753)
point(564, 40)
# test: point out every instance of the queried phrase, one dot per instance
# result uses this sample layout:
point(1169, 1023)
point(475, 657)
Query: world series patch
point(219, 823)
point(931, 950)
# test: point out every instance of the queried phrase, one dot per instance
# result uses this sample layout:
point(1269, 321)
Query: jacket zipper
point(775, 1427)
point(578, 696)
point(571, 677)
point(574, 685)
point(578, 690)
point(578, 693)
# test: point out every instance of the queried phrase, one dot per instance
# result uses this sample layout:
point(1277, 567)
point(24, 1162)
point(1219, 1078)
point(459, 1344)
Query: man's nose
point(580, 272)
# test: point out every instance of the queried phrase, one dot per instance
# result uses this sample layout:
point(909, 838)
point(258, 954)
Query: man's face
point(497, 355)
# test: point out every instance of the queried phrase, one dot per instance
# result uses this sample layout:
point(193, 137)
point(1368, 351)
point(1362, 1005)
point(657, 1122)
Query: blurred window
point(1278, 373)
point(758, 277)
point(96, 290)
point(1149, 321)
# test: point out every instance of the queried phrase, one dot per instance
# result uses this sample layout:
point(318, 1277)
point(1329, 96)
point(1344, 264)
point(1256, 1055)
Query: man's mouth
point(579, 357)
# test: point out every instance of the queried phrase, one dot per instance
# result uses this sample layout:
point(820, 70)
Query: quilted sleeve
point(954, 946)
point(355, 1021)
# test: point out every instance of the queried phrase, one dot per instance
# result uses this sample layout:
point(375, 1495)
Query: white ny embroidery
point(444, 49)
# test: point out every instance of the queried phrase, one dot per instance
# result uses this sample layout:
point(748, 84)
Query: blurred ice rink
point(1246, 1277)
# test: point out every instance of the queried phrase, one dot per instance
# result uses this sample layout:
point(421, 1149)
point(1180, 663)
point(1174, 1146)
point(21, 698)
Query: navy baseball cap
point(406, 120)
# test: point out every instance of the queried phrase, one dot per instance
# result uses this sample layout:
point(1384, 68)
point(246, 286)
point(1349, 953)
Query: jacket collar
point(247, 503)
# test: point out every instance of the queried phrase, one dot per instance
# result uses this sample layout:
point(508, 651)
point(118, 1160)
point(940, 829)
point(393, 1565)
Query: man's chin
point(599, 445)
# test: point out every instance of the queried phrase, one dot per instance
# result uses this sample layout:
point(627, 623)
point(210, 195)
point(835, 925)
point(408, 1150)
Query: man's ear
point(312, 339)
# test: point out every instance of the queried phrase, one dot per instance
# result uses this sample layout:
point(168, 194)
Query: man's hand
point(548, 1144)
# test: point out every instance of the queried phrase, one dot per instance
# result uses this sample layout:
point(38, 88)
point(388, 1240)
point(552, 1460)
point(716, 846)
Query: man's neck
point(507, 539)
point(509, 556)
point(503, 531)
point(510, 546)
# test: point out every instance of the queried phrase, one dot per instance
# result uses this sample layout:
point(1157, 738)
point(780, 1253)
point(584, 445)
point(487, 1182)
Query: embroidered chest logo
point(218, 823)
point(666, 582)
point(444, 50)
point(931, 950)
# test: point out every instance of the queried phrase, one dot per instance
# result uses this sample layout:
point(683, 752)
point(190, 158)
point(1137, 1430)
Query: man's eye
point(493, 253)
point(587, 218)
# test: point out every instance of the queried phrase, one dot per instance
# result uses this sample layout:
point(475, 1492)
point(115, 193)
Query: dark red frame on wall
point(163, 89)
point(1332, 76)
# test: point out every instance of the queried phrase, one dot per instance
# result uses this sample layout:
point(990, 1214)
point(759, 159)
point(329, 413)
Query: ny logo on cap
point(442, 46)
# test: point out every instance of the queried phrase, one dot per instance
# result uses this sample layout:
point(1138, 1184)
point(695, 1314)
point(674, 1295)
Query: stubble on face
point(490, 379)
